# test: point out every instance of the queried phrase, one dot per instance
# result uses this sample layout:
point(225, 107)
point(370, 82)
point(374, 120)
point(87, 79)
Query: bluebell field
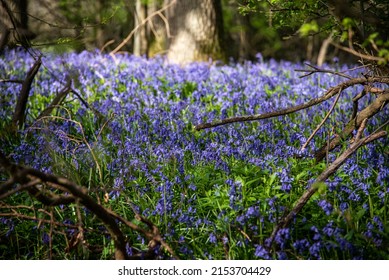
point(216, 193)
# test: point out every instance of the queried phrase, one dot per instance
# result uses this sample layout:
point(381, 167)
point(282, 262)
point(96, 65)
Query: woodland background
point(219, 29)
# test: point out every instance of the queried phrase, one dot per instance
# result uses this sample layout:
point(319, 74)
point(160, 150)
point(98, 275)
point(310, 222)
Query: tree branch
point(29, 178)
point(57, 100)
point(322, 122)
point(318, 70)
point(129, 36)
point(24, 175)
point(353, 124)
point(324, 176)
point(329, 93)
point(19, 115)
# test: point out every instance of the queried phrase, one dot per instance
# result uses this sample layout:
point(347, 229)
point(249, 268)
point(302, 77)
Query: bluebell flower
point(282, 236)
point(328, 229)
point(261, 252)
point(326, 206)
point(212, 238)
point(317, 235)
point(301, 245)
point(45, 238)
point(343, 206)
point(282, 255)
point(315, 249)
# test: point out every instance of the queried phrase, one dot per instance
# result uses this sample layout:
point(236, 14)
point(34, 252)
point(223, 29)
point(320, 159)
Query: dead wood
point(20, 109)
point(359, 142)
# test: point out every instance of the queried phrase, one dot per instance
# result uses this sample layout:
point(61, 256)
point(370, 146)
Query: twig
point(39, 220)
point(11, 81)
point(368, 112)
point(129, 36)
point(57, 100)
point(322, 122)
point(361, 55)
point(318, 70)
point(324, 176)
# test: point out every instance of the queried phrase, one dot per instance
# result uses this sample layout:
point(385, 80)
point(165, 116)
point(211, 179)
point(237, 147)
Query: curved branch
point(24, 175)
point(353, 124)
point(330, 93)
point(29, 178)
point(284, 222)
point(19, 114)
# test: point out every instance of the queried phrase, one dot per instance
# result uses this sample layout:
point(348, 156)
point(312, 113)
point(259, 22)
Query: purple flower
point(316, 232)
point(326, 206)
point(262, 253)
point(45, 238)
point(252, 211)
point(282, 236)
point(328, 229)
point(301, 245)
point(315, 249)
point(212, 238)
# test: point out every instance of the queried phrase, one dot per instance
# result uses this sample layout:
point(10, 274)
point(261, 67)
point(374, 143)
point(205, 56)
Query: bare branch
point(284, 222)
point(322, 122)
point(19, 115)
point(29, 177)
point(77, 191)
point(329, 93)
point(368, 112)
point(358, 54)
point(128, 38)
point(318, 70)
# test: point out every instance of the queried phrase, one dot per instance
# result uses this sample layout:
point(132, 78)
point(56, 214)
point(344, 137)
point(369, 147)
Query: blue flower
point(212, 238)
point(45, 238)
point(326, 206)
point(315, 249)
point(301, 245)
point(282, 236)
point(262, 253)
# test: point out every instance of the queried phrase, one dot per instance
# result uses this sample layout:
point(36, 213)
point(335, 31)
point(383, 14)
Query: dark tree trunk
point(14, 23)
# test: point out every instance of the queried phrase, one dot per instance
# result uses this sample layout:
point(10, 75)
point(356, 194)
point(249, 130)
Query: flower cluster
point(227, 185)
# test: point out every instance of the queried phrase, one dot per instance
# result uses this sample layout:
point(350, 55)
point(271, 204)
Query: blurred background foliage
point(290, 30)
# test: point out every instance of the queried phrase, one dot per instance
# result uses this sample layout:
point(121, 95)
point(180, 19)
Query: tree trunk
point(197, 29)
point(14, 23)
point(140, 37)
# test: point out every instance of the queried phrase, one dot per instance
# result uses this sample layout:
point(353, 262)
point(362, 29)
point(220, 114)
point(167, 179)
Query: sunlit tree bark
point(197, 31)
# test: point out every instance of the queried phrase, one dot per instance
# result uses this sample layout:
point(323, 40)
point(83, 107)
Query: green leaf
point(320, 186)
point(309, 28)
